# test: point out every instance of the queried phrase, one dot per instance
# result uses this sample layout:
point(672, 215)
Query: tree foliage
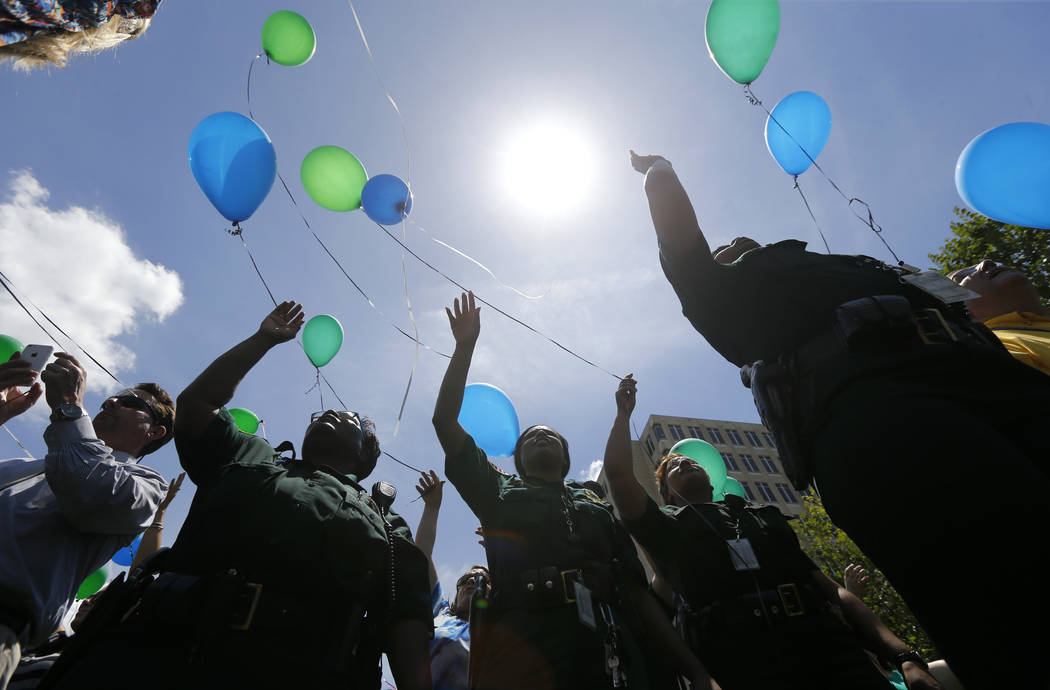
point(977, 238)
point(832, 551)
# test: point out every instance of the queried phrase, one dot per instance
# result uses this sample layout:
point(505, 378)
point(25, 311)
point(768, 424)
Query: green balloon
point(246, 420)
point(93, 583)
point(322, 338)
point(288, 38)
point(333, 178)
point(741, 35)
point(708, 457)
point(9, 346)
point(732, 486)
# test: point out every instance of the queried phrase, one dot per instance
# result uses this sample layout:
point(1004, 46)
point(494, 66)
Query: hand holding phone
point(15, 375)
point(37, 356)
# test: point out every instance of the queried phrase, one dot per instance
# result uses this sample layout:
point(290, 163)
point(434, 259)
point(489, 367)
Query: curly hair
point(661, 473)
point(55, 46)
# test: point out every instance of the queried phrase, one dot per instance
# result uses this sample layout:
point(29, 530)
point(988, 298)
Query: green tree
point(977, 238)
point(832, 551)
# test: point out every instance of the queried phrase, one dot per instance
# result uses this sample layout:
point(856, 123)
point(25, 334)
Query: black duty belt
point(781, 604)
point(554, 586)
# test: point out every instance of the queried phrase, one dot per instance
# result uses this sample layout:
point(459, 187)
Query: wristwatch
point(67, 412)
point(909, 655)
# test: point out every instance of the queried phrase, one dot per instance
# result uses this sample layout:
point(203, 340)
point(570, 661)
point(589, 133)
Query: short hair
point(163, 413)
point(369, 447)
point(520, 468)
point(452, 599)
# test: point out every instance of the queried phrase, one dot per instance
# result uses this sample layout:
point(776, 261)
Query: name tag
point(940, 286)
point(742, 555)
point(584, 607)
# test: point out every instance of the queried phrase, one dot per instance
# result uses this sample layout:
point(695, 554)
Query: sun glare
point(548, 168)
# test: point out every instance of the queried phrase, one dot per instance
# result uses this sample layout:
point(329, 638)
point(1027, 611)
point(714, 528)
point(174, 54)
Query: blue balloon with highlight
point(1004, 173)
point(234, 163)
point(386, 199)
point(489, 417)
point(807, 118)
point(127, 554)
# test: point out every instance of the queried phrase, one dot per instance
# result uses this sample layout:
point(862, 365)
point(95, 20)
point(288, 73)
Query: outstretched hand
point(856, 579)
point(282, 323)
point(429, 489)
point(465, 322)
point(14, 373)
point(643, 163)
point(626, 395)
point(173, 488)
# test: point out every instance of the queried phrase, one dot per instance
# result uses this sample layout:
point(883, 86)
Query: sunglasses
point(131, 401)
point(348, 415)
point(468, 579)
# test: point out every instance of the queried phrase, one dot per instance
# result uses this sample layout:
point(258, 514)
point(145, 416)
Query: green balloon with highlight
point(94, 582)
point(334, 178)
point(708, 457)
point(9, 346)
point(246, 420)
point(732, 486)
point(288, 39)
point(322, 338)
point(740, 36)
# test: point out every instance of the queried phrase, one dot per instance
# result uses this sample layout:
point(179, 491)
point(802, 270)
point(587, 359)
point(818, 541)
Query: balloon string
point(477, 263)
point(320, 391)
point(870, 220)
point(24, 449)
point(238, 231)
point(382, 85)
point(400, 462)
point(248, 88)
point(494, 307)
point(415, 330)
point(8, 285)
point(826, 248)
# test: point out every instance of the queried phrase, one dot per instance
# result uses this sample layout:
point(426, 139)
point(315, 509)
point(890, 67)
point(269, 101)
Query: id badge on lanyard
point(742, 554)
point(940, 286)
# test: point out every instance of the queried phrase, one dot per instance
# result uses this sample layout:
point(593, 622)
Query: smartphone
point(37, 356)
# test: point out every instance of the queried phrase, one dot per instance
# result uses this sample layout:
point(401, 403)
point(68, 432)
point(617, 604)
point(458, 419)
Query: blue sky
point(908, 84)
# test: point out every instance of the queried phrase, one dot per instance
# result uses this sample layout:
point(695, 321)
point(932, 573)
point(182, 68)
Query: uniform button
point(530, 586)
point(774, 609)
point(548, 584)
point(758, 613)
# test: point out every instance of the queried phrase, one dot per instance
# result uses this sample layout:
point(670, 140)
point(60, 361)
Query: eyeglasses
point(131, 401)
point(348, 415)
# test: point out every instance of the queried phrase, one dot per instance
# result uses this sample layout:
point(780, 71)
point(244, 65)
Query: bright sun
point(548, 168)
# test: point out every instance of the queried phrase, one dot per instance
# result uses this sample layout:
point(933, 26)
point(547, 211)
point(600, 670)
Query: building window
point(768, 463)
point(766, 492)
point(649, 445)
point(735, 437)
point(730, 462)
point(716, 435)
point(769, 439)
point(786, 493)
point(676, 432)
point(749, 463)
point(748, 491)
point(753, 439)
point(695, 432)
point(658, 431)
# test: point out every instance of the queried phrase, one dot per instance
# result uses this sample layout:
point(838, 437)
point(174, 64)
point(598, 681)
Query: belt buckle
point(940, 332)
point(566, 587)
point(791, 599)
point(256, 593)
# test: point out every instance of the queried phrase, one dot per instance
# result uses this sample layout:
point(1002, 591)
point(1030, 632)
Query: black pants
point(939, 472)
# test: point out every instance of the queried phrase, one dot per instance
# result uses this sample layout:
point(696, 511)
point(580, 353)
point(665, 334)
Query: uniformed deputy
point(285, 574)
point(569, 589)
point(925, 438)
point(751, 604)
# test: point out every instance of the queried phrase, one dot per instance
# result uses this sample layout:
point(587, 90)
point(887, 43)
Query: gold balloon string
point(869, 220)
point(477, 263)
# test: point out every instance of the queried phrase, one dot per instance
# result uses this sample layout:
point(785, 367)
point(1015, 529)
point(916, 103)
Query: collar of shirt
point(1018, 319)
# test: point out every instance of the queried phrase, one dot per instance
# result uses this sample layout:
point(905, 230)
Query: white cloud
point(74, 264)
point(591, 473)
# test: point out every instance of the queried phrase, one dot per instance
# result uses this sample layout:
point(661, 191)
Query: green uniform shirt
point(293, 525)
point(772, 299)
point(689, 547)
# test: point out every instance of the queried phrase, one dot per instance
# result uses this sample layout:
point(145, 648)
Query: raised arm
point(152, 537)
point(215, 386)
point(673, 216)
point(465, 323)
point(628, 495)
point(429, 489)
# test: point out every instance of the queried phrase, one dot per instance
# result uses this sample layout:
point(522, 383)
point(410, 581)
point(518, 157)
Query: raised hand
point(626, 395)
point(643, 163)
point(283, 322)
point(429, 489)
point(465, 321)
point(13, 402)
point(856, 579)
point(173, 488)
point(64, 380)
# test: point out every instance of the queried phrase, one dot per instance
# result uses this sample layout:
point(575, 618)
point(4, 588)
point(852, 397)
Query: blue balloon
point(386, 199)
point(488, 415)
point(127, 554)
point(807, 117)
point(234, 163)
point(1004, 173)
